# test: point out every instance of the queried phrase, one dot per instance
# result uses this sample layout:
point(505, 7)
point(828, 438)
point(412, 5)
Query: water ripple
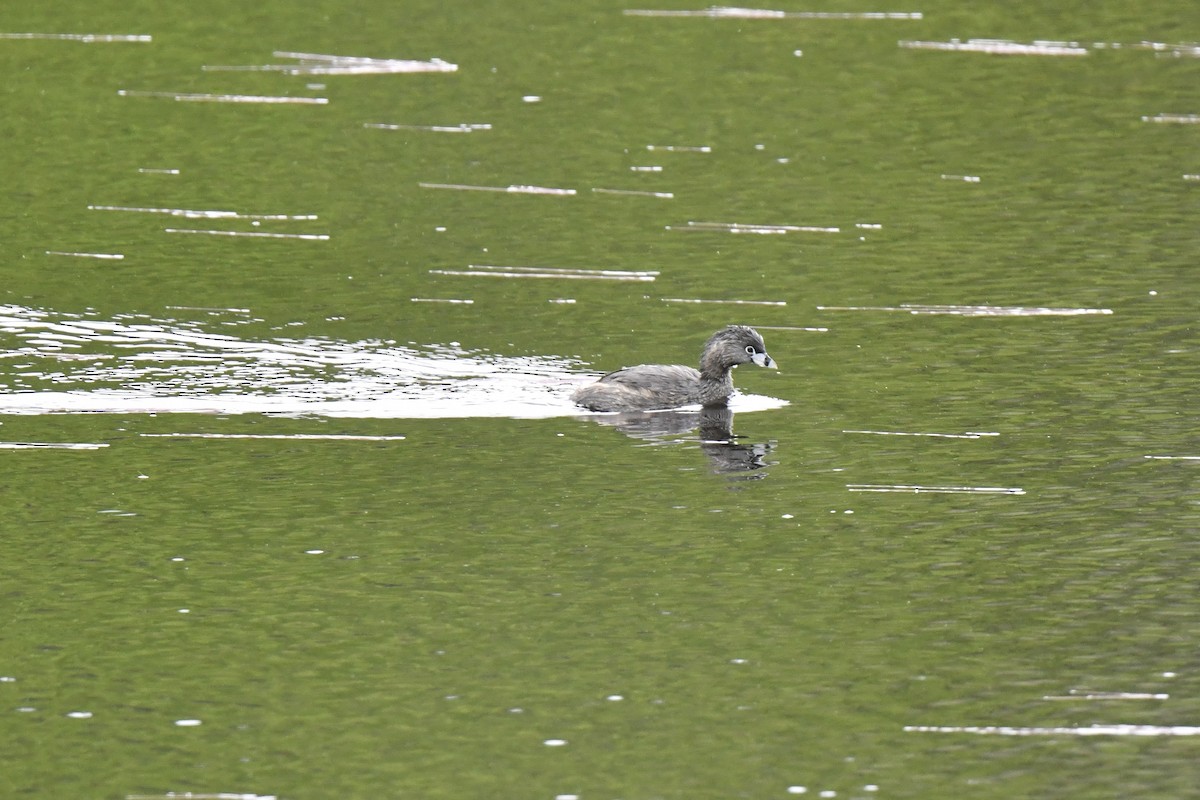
point(71, 363)
point(143, 365)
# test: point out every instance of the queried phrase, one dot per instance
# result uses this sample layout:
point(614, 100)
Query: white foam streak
point(1000, 47)
point(86, 38)
point(1074, 694)
point(312, 64)
point(732, 12)
point(317, 237)
point(513, 189)
point(1177, 119)
point(202, 796)
point(977, 311)
point(1191, 49)
point(194, 213)
point(462, 127)
point(172, 366)
point(211, 309)
point(679, 148)
point(52, 445)
point(196, 97)
point(1052, 48)
point(741, 227)
point(637, 193)
point(489, 270)
point(966, 435)
point(327, 437)
point(724, 302)
point(918, 489)
point(105, 256)
point(1091, 730)
point(321, 64)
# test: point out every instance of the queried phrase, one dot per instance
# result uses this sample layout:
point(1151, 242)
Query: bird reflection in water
point(716, 437)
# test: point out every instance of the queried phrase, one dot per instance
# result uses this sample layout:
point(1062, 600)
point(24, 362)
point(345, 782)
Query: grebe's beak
point(764, 360)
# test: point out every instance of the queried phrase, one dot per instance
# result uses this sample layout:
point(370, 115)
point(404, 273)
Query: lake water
point(297, 505)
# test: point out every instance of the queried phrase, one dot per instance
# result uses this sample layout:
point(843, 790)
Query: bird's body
point(659, 386)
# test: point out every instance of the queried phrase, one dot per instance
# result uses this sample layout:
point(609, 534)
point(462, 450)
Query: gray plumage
point(658, 386)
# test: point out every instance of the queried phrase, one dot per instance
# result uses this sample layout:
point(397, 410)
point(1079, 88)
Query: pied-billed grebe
point(657, 386)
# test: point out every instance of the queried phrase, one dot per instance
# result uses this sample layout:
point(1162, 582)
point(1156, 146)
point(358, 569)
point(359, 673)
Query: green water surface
point(430, 617)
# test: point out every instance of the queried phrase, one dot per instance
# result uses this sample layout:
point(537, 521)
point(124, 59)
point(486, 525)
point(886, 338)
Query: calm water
point(296, 503)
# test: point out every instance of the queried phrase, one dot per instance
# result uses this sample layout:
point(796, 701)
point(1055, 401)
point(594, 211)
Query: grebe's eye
point(750, 349)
